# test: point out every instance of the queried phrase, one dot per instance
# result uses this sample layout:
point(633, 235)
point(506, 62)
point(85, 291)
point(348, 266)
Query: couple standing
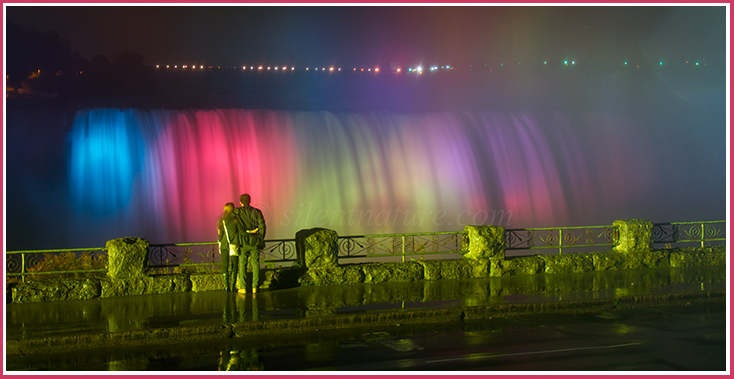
point(241, 236)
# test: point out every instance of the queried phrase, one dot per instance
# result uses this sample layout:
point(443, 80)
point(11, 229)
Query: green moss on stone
point(56, 290)
point(332, 276)
point(485, 242)
point(127, 257)
point(634, 235)
point(319, 247)
point(392, 272)
point(711, 256)
point(567, 263)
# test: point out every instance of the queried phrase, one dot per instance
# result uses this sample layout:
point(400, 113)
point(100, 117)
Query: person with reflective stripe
point(228, 232)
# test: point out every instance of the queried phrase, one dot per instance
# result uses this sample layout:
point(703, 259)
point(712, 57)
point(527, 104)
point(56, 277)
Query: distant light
point(362, 69)
point(661, 63)
point(625, 63)
point(244, 67)
point(323, 69)
point(203, 67)
point(306, 68)
point(448, 67)
point(340, 68)
point(293, 68)
point(316, 69)
point(184, 66)
point(573, 62)
point(176, 66)
point(355, 69)
point(696, 63)
point(276, 68)
point(502, 64)
point(398, 70)
point(565, 62)
point(285, 68)
point(410, 69)
point(157, 66)
point(545, 62)
point(259, 67)
point(420, 69)
point(369, 69)
point(331, 68)
point(251, 67)
point(268, 67)
point(377, 69)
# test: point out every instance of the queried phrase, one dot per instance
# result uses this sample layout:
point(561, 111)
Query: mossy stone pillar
point(127, 258)
point(317, 248)
point(633, 236)
point(484, 242)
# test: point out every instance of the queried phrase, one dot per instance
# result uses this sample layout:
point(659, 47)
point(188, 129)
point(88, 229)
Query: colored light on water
point(154, 169)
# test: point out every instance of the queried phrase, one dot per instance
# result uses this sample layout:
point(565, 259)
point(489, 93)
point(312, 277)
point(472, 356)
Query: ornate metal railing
point(689, 232)
point(23, 263)
point(208, 255)
point(560, 238)
point(399, 245)
point(20, 264)
point(165, 256)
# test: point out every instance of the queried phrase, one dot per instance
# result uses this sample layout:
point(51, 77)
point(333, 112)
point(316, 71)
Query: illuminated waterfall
point(164, 175)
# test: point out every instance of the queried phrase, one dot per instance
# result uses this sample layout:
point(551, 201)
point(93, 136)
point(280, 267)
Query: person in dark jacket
point(229, 240)
point(251, 227)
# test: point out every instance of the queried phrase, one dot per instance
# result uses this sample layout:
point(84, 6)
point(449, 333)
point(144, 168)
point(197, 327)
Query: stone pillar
point(485, 242)
point(317, 248)
point(127, 258)
point(634, 236)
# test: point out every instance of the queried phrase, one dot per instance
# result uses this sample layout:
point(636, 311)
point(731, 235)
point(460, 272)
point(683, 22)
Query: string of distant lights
point(417, 69)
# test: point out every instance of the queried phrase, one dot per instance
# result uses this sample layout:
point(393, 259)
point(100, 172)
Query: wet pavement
point(429, 343)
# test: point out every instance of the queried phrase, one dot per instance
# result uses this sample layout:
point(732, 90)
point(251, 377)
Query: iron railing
point(166, 256)
point(689, 232)
point(24, 263)
point(560, 238)
point(399, 245)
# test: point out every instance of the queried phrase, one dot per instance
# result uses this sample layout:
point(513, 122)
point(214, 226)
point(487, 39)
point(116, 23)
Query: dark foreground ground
point(649, 320)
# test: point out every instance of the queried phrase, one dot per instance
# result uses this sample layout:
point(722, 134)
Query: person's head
point(245, 200)
point(229, 207)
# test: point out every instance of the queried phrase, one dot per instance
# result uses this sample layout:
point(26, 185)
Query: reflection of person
point(228, 246)
point(235, 309)
point(241, 360)
point(251, 227)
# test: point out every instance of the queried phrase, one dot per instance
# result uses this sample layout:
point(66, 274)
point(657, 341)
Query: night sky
point(367, 35)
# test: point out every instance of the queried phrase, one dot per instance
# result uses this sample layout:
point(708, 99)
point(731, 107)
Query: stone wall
point(483, 257)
